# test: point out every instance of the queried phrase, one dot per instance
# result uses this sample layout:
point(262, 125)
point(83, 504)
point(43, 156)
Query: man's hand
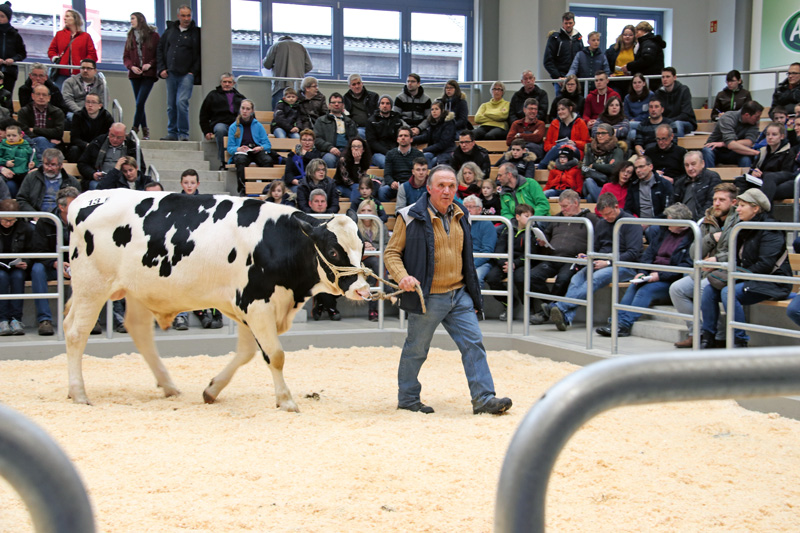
point(711, 259)
point(712, 146)
point(209, 136)
point(408, 283)
point(163, 74)
point(335, 151)
point(505, 267)
point(415, 131)
point(97, 176)
point(395, 185)
point(601, 263)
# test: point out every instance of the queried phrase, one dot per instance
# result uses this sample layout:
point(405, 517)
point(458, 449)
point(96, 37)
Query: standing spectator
point(454, 101)
point(382, 128)
point(219, 110)
point(412, 104)
point(677, 101)
point(399, 165)
point(317, 178)
point(492, 116)
point(517, 190)
point(467, 150)
point(733, 137)
point(649, 54)
point(527, 91)
point(787, 93)
point(89, 123)
point(312, 103)
point(248, 142)
point(179, 64)
point(603, 154)
point(140, 58)
point(15, 159)
point(571, 91)
point(102, 154)
point(38, 76)
point(39, 188)
point(468, 179)
point(352, 166)
point(125, 175)
point(298, 160)
point(666, 155)
point(620, 54)
point(518, 155)
point(590, 60)
point(287, 59)
point(12, 49)
point(334, 131)
point(15, 237)
point(732, 97)
point(567, 129)
point(614, 117)
point(42, 122)
point(646, 131)
point(636, 103)
point(440, 136)
point(78, 86)
point(561, 48)
point(565, 174)
point(360, 103)
point(597, 99)
point(529, 129)
point(286, 118)
point(695, 189)
point(484, 237)
point(70, 45)
point(409, 192)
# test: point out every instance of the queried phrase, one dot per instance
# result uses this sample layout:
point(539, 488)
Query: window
point(437, 46)
point(311, 26)
point(373, 48)
point(108, 24)
point(610, 21)
point(246, 35)
point(37, 22)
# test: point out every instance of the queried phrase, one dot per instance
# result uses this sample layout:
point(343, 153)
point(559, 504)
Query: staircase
point(660, 328)
point(171, 158)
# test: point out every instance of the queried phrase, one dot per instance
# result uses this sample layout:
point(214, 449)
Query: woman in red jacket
point(567, 129)
point(70, 45)
point(140, 60)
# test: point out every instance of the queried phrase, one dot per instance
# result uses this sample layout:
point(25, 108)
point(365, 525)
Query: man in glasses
point(666, 155)
point(76, 87)
point(788, 92)
point(467, 150)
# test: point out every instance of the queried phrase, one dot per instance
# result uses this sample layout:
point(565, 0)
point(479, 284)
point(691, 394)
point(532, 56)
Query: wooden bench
point(794, 261)
point(693, 142)
point(71, 169)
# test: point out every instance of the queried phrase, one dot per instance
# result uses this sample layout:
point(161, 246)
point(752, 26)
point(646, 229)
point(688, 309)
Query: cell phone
point(791, 115)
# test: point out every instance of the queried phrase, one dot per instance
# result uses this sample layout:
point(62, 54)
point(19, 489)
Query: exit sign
point(713, 26)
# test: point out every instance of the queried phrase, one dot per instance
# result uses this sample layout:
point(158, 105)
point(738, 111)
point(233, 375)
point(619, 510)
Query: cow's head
point(338, 242)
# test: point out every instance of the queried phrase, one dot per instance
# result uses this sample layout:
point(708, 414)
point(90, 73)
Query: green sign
point(790, 35)
point(780, 33)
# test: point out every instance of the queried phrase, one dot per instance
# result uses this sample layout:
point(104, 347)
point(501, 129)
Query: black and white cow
point(164, 253)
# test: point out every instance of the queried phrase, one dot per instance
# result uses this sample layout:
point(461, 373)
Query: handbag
point(54, 71)
point(719, 278)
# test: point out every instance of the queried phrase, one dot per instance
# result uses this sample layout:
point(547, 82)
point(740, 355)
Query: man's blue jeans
point(378, 160)
point(12, 281)
point(682, 127)
point(40, 275)
point(455, 311)
point(793, 311)
point(179, 92)
point(641, 295)
point(711, 299)
point(577, 287)
point(220, 132)
point(40, 144)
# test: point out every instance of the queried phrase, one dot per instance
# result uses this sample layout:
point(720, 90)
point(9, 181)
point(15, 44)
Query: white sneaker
point(5, 329)
point(17, 327)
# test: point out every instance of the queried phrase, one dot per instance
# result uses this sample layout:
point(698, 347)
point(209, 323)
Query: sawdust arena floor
point(351, 462)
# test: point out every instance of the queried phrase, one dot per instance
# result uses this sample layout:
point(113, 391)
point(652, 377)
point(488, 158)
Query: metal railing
point(153, 172)
point(796, 205)
point(116, 111)
point(587, 260)
point(632, 380)
point(138, 149)
point(105, 93)
point(694, 270)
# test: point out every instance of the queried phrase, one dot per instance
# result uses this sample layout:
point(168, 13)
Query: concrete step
point(179, 165)
point(173, 145)
point(659, 331)
point(206, 187)
point(204, 175)
point(665, 319)
point(170, 155)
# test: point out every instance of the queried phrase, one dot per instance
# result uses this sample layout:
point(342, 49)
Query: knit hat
point(6, 10)
point(755, 196)
point(566, 151)
point(386, 96)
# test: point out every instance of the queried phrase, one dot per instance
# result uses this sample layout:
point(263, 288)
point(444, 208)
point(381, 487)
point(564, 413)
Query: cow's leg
point(80, 318)
point(267, 336)
point(139, 323)
point(245, 350)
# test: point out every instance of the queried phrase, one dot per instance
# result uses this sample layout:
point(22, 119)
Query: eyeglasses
point(602, 133)
point(662, 139)
point(465, 142)
point(497, 89)
point(88, 68)
point(790, 73)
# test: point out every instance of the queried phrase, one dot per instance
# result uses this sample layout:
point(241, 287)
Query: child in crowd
point(287, 112)
point(776, 114)
point(490, 198)
point(366, 189)
point(277, 194)
point(370, 231)
point(566, 174)
point(15, 158)
point(190, 181)
point(468, 178)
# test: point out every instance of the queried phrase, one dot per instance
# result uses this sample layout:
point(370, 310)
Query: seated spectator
point(366, 191)
point(296, 161)
point(567, 129)
point(571, 90)
point(597, 99)
point(468, 178)
point(517, 190)
point(360, 103)
point(677, 101)
point(399, 164)
point(490, 198)
point(520, 99)
point(317, 178)
point(277, 193)
point(646, 131)
point(666, 155)
point(16, 159)
point(529, 129)
point(412, 104)
point(382, 128)
point(45, 241)
point(774, 166)
point(153, 186)
point(492, 116)
point(467, 150)
point(318, 203)
point(248, 142)
point(519, 156)
point(484, 237)
point(636, 103)
point(648, 194)
point(630, 248)
point(370, 232)
point(42, 122)
point(88, 124)
point(788, 91)
point(791, 132)
point(16, 236)
point(39, 188)
point(590, 60)
point(602, 156)
point(733, 137)
point(125, 175)
point(409, 192)
point(757, 251)
point(286, 118)
point(334, 131)
point(77, 86)
point(102, 154)
point(312, 103)
point(612, 115)
point(440, 136)
point(669, 247)
point(454, 101)
point(353, 165)
point(779, 115)
point(732, 97)
point(6, 100)
point(695, 189)
point(564, 175)
point(218, 111)
point(38, 76)
point(620, 181)
point(501, 269)
point(567, 240)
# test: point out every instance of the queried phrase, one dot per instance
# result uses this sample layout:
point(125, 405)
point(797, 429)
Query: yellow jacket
point(493, 113)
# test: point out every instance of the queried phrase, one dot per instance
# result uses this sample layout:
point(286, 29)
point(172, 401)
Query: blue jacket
point(260, 137)
point(637, 110)
point(484, 239)
point(586, 63)
point(419, 255)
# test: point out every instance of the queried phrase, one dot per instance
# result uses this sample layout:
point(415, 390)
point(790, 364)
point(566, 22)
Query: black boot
point(707, 341)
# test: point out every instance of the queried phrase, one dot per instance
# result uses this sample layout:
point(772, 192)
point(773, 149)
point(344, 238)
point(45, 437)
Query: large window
point(610, 21)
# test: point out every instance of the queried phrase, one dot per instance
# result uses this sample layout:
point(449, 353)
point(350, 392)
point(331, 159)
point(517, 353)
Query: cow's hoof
point(289, 406)
point(169, 392)
point(80, 399)
point(208, 398)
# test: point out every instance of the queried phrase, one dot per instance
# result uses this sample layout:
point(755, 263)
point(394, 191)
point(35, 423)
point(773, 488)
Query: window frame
point(602, 14)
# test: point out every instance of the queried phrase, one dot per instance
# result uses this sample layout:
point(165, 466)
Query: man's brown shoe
point(686, 343)
point(46, 328)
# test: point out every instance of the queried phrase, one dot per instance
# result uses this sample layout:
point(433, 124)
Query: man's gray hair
point(353, 77)
point(53, 153)
point(38, 66)
point(569, 196)
point(678, 211)
point(667, 128)
point(66, 192)
point(317, 192)
point(473, 200)
point(511, 168)
point(309, 81)
point(607, 200)
point(183, 6)
point(694, 153)
point(226, 75)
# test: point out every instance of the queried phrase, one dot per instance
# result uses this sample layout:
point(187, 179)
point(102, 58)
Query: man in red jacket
point(596, 100)
point(529, 128)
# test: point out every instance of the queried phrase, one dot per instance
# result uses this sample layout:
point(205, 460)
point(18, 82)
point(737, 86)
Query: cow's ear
point(305, 227)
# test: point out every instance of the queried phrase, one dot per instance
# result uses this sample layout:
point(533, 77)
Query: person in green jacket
point(15, 158)
point(518, 189)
